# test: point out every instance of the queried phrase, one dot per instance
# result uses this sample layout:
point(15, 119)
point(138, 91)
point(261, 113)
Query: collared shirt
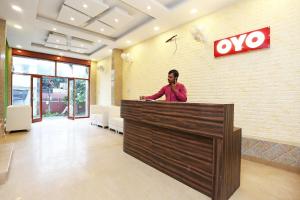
point(179, 95)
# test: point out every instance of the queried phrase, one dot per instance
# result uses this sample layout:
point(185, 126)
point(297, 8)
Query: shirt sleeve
point(157, 95)
point(181, 94)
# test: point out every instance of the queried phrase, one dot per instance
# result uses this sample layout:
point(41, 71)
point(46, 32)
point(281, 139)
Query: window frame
point(56, 59)
point(37, 59)
point(56, 67)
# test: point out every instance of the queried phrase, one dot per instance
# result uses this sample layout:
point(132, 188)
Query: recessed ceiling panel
point(171, 3)
point(57, 39)
point(116, 17)
point(81, 44)
point(41, 16)
point(71, 16)
point(88, 7)
point(102, 28)
point(56, 46)
point(78, 50)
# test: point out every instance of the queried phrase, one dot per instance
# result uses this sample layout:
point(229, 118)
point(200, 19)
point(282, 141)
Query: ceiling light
point(72, 18)
point(56, 46)
point(156, 28)
point(19, 46)
point(18, 26)
point(19, 51)
point(102, 29)
point(128, 42)
point(17, 8)
point(110, 50)
point(82, 45)
point(58, 58)
point(99, 41)
point(194, 11)
point(85, 6)
point(149, 7)
point(57, 41)
point(54, 29)
point(116, 20)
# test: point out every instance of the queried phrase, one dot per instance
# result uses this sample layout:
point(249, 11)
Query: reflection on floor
point(69, 160)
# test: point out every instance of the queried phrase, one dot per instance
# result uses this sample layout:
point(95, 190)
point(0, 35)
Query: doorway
point(54, 97)
point(78, 101)
point(51, 96)
point(51, 87)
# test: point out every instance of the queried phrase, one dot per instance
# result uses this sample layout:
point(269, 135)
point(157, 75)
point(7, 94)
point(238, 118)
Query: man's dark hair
point(174, 72)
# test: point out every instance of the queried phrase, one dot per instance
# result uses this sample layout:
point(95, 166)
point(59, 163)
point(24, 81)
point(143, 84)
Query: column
point(117, 74)
point(2, 66)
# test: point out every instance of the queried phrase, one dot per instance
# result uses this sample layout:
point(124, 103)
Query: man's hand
point(142, 97)
point(173, 87)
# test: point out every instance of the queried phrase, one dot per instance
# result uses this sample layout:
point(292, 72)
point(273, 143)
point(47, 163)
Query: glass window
point(72, 70)
point(80, 71)
point(33, 66)
point(64, 69)
point(21, 89)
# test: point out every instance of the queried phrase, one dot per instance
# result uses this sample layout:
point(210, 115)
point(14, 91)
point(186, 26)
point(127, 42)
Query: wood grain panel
point(32, 54)
point(193, 143)
point(201, 119)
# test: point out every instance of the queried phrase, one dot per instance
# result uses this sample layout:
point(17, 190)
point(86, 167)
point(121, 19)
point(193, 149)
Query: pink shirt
point(180, 95)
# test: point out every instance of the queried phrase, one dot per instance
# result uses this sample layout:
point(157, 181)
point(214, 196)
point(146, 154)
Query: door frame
point(41, 100)
point(73, 117)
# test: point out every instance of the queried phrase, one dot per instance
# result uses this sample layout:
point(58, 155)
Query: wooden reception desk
point(194, 143)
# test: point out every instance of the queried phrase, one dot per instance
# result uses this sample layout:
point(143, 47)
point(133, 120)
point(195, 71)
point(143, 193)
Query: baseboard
point(272, 164)
point(278, 155)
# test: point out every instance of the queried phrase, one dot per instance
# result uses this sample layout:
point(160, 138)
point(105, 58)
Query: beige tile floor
point(5, 158)
point(72, 160)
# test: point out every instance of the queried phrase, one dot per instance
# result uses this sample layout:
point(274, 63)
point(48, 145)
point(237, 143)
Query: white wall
point(264, 85)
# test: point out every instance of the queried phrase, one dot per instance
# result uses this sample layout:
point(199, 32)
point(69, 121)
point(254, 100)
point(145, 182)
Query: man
point(174, 91)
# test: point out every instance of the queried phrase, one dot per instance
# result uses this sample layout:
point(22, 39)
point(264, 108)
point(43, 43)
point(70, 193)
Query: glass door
point(78, 98)
point(81, 98)
point(71, 98)
point(36, 98)
point(54, 97)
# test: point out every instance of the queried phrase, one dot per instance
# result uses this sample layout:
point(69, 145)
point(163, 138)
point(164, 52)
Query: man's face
point(171, 78)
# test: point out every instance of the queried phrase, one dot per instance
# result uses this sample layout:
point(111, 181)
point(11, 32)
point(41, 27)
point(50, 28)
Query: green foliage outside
point(80, 96)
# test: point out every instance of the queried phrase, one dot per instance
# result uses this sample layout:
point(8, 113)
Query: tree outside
point(55, 94)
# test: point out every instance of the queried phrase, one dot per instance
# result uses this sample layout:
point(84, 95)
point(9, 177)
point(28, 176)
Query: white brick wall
point(264, 85)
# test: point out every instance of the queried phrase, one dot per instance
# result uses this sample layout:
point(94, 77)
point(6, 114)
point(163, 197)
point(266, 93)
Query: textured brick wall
point(264, 85)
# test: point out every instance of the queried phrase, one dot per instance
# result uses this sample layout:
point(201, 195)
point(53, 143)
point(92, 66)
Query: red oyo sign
point(249, 41)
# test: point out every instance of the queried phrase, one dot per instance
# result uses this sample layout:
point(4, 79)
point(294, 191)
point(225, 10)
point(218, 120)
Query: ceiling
point(90, 29)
